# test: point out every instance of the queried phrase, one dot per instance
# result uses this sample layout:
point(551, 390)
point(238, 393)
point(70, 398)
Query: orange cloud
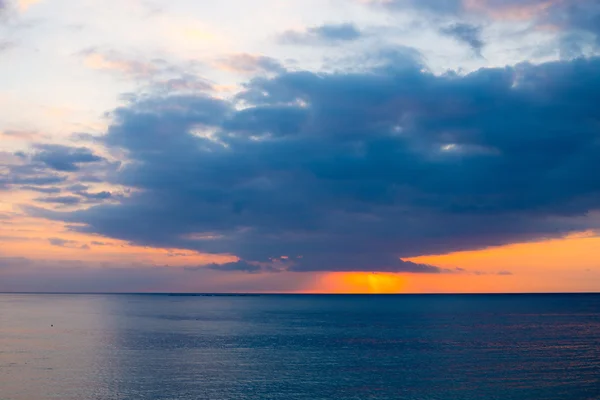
point(113, 62)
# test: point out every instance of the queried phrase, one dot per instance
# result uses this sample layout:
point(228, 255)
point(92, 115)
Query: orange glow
point(569, 264)
point(359, 283)
point(33, 238)
point(577, 251)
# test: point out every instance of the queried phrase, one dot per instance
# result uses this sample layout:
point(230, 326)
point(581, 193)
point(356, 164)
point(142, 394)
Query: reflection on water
point(299, 347)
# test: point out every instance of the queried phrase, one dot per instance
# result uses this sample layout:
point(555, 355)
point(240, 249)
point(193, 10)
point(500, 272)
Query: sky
point(300, 146)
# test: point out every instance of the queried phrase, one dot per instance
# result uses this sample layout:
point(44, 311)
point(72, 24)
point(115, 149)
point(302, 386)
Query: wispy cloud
point(250, 64)
point(466, 33)
point(324, 34)
point(64, 200)
point(72, 244)
point(112, 61)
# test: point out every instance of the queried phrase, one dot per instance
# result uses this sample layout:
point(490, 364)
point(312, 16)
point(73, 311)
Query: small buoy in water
point(52, 325)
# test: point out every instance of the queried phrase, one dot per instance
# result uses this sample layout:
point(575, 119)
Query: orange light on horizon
point(359, 283)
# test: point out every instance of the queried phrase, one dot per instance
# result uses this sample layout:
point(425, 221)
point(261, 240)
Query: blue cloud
point(66, 200)
point(354, 171)
point(238, 266)
point(568, 16)
point(28, 175)
point(249, 63)
point(64, 158)
point(104, 195)
point(324, 34)
point(466, 33)
point(42, 189)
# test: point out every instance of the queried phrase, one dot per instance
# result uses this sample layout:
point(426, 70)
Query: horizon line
point(208, 294)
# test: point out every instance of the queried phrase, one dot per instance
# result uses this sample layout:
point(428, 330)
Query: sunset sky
point(305, 146)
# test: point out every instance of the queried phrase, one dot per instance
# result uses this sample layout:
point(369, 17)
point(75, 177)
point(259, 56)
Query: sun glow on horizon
point(359, 283)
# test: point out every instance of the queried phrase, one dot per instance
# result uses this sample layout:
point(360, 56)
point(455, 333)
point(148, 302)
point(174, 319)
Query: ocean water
point(103, 347)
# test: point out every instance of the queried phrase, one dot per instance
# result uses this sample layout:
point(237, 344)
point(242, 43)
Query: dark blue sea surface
point(103, 347)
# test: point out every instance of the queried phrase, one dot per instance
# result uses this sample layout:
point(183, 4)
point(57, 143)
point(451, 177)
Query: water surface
point(103, 347)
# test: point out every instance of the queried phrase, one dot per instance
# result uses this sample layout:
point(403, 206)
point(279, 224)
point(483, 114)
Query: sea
point(238, 347)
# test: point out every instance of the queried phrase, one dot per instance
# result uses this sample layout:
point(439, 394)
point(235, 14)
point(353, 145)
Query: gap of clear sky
point(302, 146)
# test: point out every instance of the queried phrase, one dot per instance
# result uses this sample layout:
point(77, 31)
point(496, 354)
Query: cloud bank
point(307, 171)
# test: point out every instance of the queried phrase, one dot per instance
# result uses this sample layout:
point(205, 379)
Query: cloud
point(41, 189)
point(466, 33)
point(60, 242)
point(324, 34)
point(71, 244)
point(159, 74)
point(242, 266)
point(78, 187)
point(14, 170)
point(567, 17)
point(28, 275)
point(10, 179)
point(65, 200)
point(250, 64)
point(82, 190)
point(116, 62)
point(24, 135)
point(104, 195)
point(436, 6)
point(64, 158)
point(357, 171)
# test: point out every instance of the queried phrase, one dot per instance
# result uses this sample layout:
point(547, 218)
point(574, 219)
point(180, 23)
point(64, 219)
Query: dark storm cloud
point(353, 171)
point(324, 34)
point(64, 158)
point(466, 33)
